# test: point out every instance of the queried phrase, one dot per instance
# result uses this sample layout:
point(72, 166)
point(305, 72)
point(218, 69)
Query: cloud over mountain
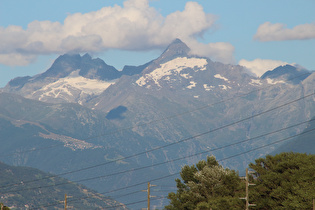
point(260, 66)
point(278, 32)
point(134, 26)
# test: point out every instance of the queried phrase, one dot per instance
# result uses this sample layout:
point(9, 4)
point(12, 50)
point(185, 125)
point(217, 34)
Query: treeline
point(282, 181)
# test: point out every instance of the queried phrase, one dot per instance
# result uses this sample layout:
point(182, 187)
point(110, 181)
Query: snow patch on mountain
point(224, 87)
point(208, 87)
point(192, 84)
point(172, 67)
point(255, 82)
point(71, 86)
point(274, 82)
point(221, 77)
point(186, 76)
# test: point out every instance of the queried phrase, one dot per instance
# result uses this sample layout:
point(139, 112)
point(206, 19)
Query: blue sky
point(257, 34)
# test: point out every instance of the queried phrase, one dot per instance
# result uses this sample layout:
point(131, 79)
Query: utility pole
point(247, 183)
point(65, 201)
point(247, 196)
point(149, 196)
point(66, 205)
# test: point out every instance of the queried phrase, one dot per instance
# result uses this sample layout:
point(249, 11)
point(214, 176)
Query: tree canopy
point(3, 207)
point(206, 185)
point(283, 181)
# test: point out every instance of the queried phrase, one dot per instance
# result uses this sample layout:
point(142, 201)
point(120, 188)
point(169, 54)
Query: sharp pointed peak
point(87, 55)
point(177, 41)
point(177, 48)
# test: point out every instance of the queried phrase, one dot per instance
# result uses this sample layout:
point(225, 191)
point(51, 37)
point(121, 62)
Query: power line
point(32, 150)
point(248, 151)
point(257, 148)
point(158, 120)
point(131, 193)
point(197, 109)
point(129, 204)
point(165, 162)
point(136, 202)
point(131, 186)
point(159, 178)
point(147, 124)
point(167, 145)
point(220, 160)
point(243, 120)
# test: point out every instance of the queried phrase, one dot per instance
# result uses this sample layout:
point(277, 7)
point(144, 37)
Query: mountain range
point(145, 122)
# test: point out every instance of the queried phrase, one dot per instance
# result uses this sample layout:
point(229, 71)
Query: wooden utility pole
point(247, 196)
point(66, 204)
point(149, 196)
point(65, 201)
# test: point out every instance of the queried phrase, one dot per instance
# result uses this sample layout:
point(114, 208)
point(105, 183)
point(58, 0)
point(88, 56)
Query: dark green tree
point(4, 207)
point(284, 181)
point(207, 185)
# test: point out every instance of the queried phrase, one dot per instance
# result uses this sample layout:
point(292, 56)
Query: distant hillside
point(19, 194)
point(304, 143)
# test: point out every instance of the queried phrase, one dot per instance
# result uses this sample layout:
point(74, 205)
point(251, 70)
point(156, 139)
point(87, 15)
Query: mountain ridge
point(287, 72)
point(79, 79)
point(184, 105)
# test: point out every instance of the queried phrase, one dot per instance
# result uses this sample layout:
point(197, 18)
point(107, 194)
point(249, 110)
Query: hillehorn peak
point(176, 49)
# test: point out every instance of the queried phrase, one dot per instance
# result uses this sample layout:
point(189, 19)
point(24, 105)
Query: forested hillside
point(46, 191)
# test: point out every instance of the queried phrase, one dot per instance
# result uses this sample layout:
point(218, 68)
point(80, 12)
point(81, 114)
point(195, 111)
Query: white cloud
point(260, 66)
point(220, 51)
point(135, 26)
point(189, 23)
point(15, 59)
point(278, 32)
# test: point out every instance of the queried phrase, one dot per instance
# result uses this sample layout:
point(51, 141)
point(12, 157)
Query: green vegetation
point(3, 207)
point(283, 181)
point(207, 185)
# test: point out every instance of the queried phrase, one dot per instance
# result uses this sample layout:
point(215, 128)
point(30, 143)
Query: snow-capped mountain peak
point(176, 49)
point(71, 78)
point(79, 79)
point(72, 88)
point(173, 67)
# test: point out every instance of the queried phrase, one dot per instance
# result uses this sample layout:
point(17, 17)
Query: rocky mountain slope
point(177, 107)
point(303, 143)
point(71, 78)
